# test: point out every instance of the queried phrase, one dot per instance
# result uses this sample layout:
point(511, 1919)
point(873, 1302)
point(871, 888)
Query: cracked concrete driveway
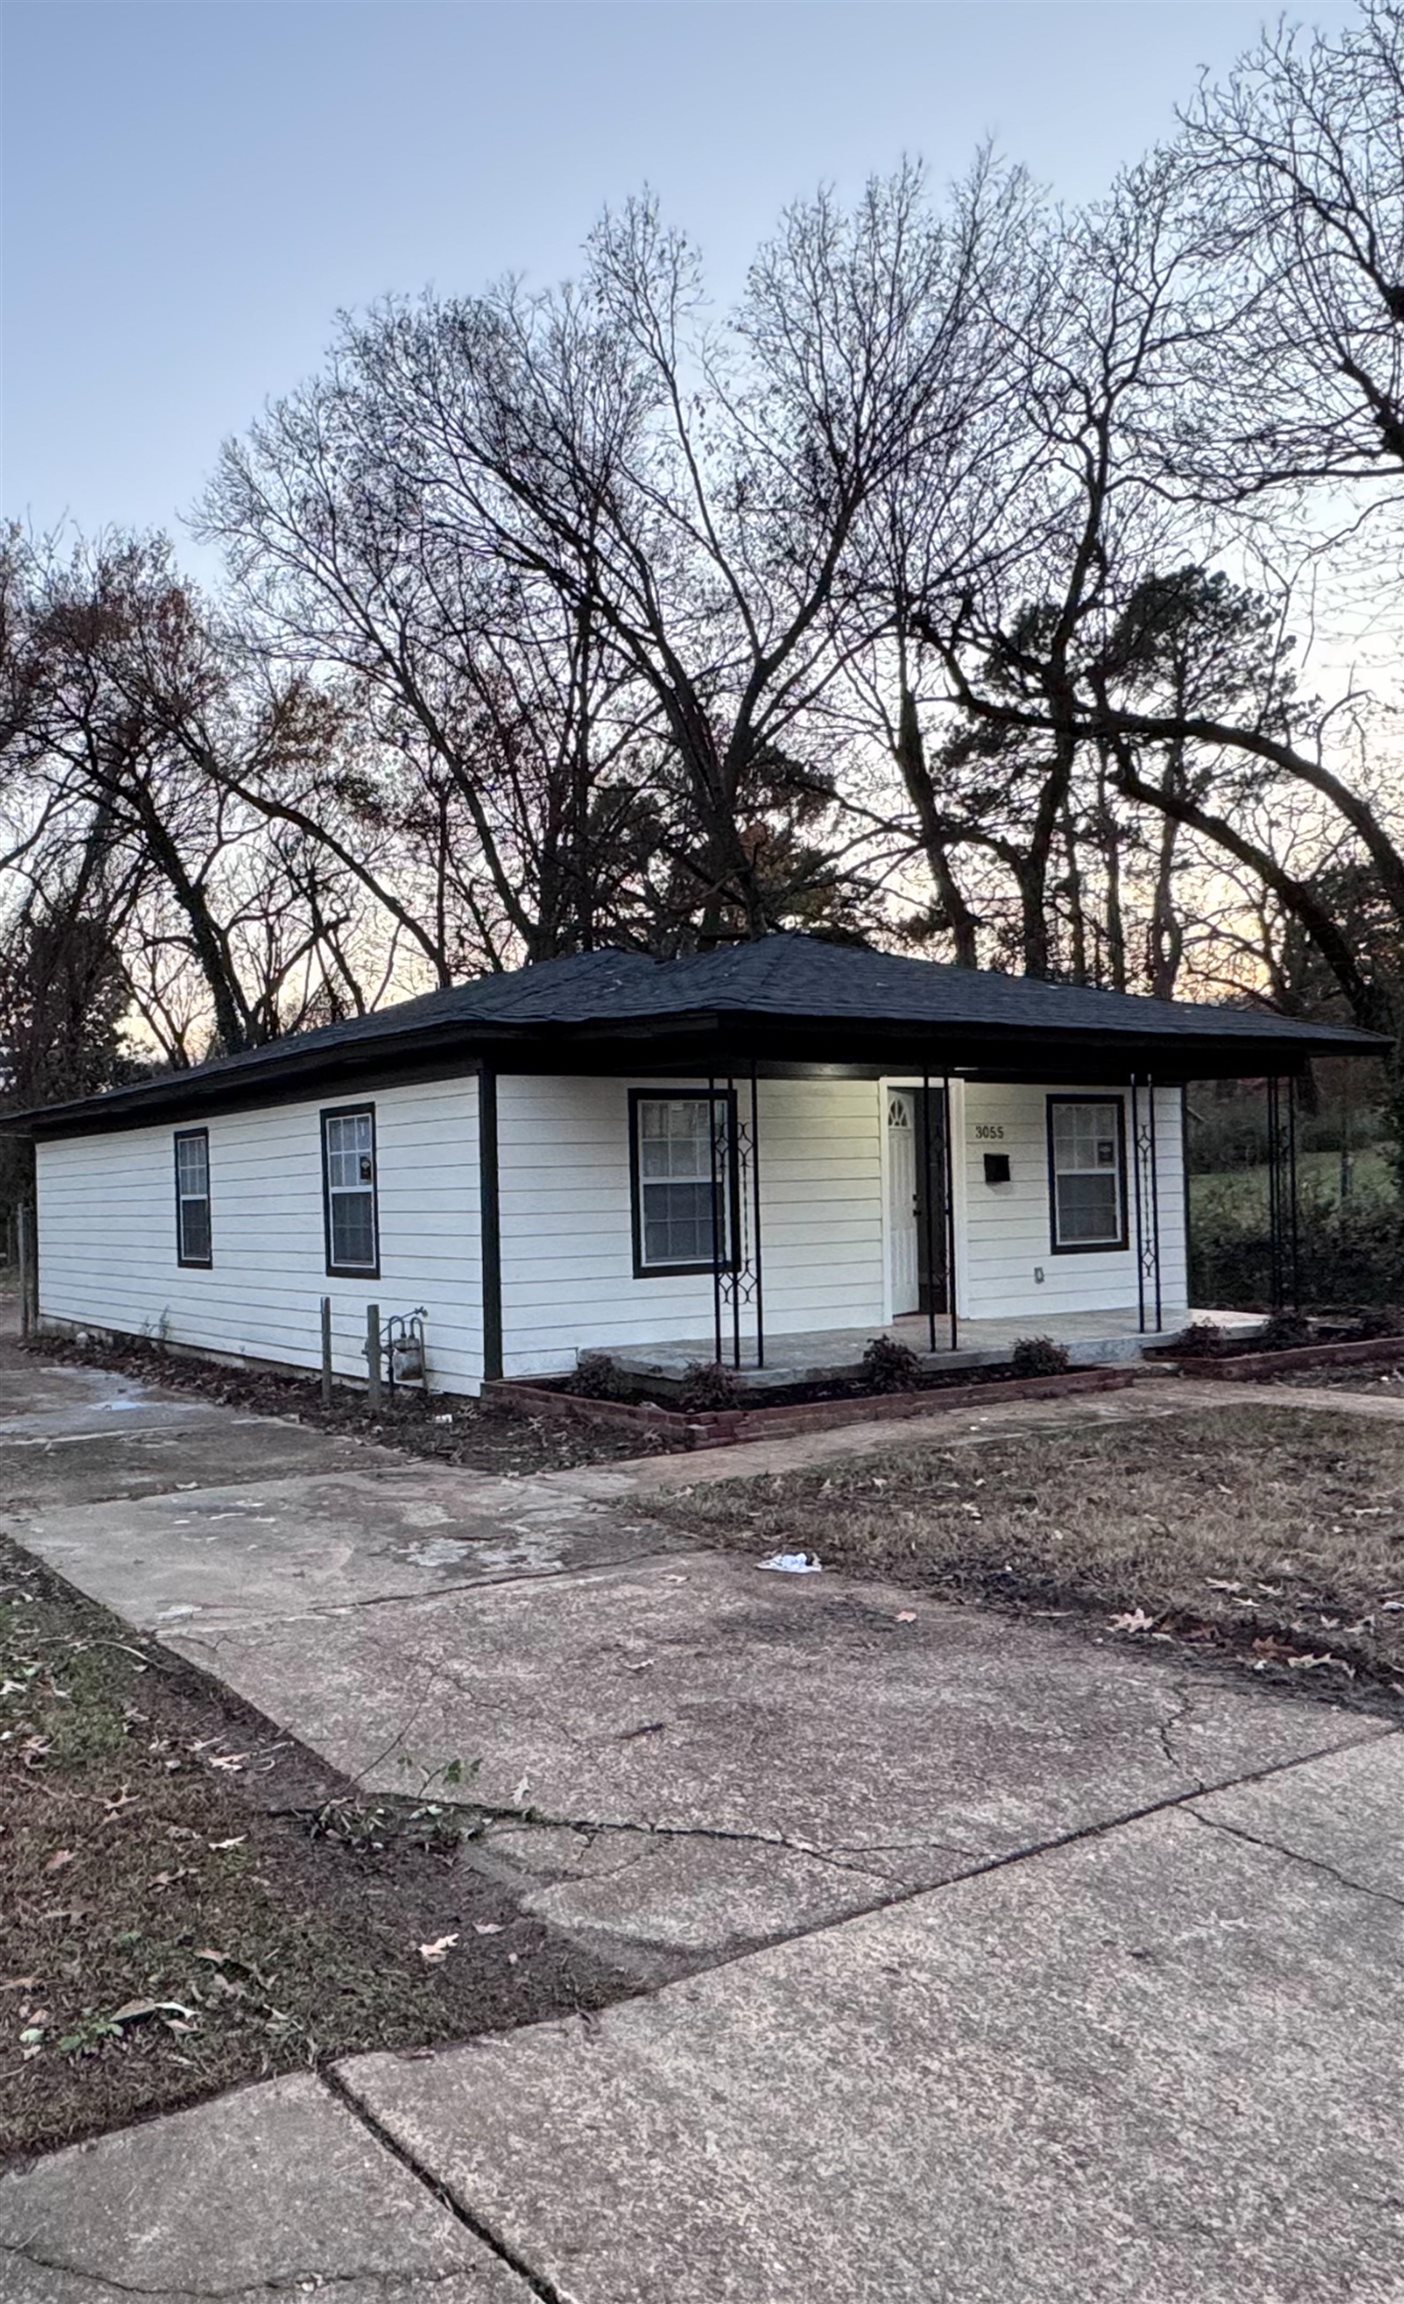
point(957, 1956)
point(716, 1755)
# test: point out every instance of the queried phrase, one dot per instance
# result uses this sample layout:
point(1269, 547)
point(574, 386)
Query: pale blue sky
point(192, 189)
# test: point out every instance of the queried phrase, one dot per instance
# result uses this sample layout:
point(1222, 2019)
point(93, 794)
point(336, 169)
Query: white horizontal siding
point(107, 1225)
point(1008, 1237)
point(568, 1280)
point(107, 1250)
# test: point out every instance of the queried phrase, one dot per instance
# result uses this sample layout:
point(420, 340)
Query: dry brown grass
point(1276, 1531)
point(173, 1921)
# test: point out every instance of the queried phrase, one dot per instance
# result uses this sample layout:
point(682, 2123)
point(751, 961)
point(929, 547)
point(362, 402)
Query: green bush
point(1038, 1356)
point(1351, 1253)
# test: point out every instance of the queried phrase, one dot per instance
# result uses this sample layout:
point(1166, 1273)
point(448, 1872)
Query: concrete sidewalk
point(1157, 2062)
point(957, 1956)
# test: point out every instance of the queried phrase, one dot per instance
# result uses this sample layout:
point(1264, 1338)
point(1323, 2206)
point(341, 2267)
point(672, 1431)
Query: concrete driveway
point(964, 1957)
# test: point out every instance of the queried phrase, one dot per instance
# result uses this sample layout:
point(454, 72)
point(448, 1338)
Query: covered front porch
point(834, 1145)
point(822, 1355)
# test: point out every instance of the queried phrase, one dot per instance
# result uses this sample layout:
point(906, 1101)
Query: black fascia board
point(704, 1040)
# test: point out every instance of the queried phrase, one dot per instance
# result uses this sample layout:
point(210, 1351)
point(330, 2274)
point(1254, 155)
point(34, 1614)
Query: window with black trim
point(682, 1165)
point(194, 1244)
point(349, 1193)
point(1087, 1172)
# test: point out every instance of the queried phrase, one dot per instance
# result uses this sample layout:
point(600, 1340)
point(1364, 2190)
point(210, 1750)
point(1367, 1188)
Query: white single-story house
point(761, 1155)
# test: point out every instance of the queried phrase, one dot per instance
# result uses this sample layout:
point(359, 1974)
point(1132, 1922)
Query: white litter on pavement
point(792, 1563)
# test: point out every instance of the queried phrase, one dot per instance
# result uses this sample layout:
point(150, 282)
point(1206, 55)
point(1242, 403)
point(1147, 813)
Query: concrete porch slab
point(1092, 1338)
point(1160, 2064)
point(275, 2190)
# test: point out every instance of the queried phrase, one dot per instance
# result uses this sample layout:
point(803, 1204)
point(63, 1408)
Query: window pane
point(1088, 1208)
point(350, 1158)
point(677, 1223)
point(195, 1231)
point(193, 1164)
point(676, 1183)
point(353, 1229)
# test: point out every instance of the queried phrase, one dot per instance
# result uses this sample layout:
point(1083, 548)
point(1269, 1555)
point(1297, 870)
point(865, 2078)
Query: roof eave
point(291, 1072)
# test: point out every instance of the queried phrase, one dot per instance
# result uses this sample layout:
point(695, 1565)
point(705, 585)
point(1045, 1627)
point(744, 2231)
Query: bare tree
point(1297, 164)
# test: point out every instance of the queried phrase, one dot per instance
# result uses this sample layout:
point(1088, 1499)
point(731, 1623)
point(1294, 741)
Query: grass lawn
point(188, 1900)
point(1280, 1534)
point(1238, 1192)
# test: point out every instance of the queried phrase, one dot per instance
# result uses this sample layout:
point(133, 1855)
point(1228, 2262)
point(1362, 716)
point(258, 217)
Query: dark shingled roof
point(778, 993)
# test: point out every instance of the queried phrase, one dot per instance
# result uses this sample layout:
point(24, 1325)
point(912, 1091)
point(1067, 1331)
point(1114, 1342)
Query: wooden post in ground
point(28, 1269)
point(373, 1354)
point(326, 1353)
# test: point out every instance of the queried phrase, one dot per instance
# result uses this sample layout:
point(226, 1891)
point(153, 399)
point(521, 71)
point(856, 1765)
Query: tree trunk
point(916, 776)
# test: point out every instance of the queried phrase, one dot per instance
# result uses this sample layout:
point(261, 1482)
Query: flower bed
point(722, 1427)
point(1247, 1367)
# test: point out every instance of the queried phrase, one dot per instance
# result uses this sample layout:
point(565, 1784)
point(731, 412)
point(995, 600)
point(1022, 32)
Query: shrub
point(1284, 1332)
point(598, 1376)
point(1351, 1252)
point(707, 1386)
point(1388, 1321)
point(1038, 1356)
point(1203, 1340)
point(890, 1366)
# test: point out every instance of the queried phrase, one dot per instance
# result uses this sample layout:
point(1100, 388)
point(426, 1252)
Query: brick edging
point(1251, 1367)
point(723, 1427)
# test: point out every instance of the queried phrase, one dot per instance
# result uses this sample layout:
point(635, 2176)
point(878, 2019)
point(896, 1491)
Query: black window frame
point(1118, 1246)
point(665, 1093)
point(192, 1263)
point(335, 1271)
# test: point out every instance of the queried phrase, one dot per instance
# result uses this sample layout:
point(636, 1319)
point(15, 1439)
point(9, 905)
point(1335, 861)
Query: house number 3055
point(987, 1132)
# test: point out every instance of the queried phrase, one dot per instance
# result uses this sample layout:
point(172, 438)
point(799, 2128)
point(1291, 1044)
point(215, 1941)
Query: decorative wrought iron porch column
point(737, 1279)
point(927, 1211)
point(1145, 1166)
point(948, 1189)
point(716, 1137)
point(1284, 1229)
point(757, 1269)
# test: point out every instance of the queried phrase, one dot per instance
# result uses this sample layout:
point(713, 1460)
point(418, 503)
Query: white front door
point(902, 1201)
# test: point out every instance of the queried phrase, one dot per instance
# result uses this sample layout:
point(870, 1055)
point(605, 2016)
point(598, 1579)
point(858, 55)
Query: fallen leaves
point(1131, 1620)
point(434, 1955)
point(133, 2011)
